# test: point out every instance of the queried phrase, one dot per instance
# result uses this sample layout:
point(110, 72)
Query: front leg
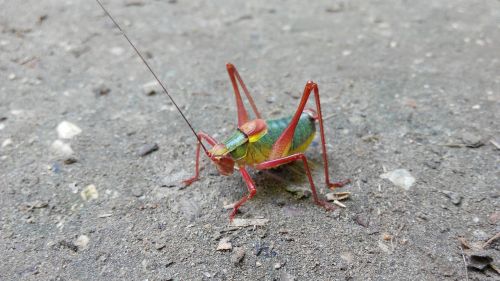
point(212, 142)
point(251, 192)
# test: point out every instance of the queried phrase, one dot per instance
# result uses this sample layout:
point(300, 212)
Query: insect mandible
point(259, 143)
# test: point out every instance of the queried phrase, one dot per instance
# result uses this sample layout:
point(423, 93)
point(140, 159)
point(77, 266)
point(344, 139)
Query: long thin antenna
point(152, 72)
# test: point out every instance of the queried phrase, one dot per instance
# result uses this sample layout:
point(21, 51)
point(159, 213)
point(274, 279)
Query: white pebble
point(346, 53)
point(6, 142)
point(61, 148)
point(151, 88)
point(82, 242)
point(89, 193)
point(117, 51)
point(477, 106)
point(400, 177)
point(12, 76)
point(16, 111)
point(67, 130)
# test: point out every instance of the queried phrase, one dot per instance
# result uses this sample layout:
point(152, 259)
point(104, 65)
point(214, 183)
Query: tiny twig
point(465, 265)
point(493, 142)
point(491, 240)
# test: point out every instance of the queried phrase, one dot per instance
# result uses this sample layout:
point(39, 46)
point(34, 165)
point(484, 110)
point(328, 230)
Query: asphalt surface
point(91, 158)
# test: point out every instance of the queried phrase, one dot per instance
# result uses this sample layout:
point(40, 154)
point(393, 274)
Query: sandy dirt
point(411, 85)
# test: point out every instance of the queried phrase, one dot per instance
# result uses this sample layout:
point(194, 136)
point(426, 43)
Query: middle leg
point(298, 156)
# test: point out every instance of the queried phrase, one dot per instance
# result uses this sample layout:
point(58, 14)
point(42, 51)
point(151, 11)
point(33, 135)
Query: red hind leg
point(299, 156)
point(212, 142)
point(283, 144)
point(242, 112)
point(251, 192)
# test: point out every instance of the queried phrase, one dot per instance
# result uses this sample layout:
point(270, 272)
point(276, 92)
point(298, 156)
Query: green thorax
point(249, 153)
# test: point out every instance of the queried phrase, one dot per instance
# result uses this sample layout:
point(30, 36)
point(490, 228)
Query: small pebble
point(454, 197)
point(137, 191)
point(238, 255)
point(101, 90)
point(6, 143)
point(346, 53)
point(400, 177)
point(117, 51)
point(67, 130)
point(362, 220)
point(224, 244)
point(472, 140)
point(298, 191)
point(494, 218)
point(277, 265)
point(151, 88)
point(147, 149)
point(89, 193)
point(82, 242)
point(12, 76)
point(61, 148)
point(70, 160)
point(480, 235)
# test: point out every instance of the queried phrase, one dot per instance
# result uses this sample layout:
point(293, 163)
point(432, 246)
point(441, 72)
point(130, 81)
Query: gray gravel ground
point(411, 85)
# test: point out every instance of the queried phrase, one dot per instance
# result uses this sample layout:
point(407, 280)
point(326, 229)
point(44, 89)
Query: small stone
point(386, 236)
point(151, 88)
point(238, 255)
point(137, 191)
point(12, 76)
point(61, 148)
point(89, 193)
point(299, 192)
point(472, 140)
point(346, 53)
point(383, 247)
point(147, 149)
point(335, 8)
point(480, 235)
point(480, 260)
point(258, 264)
point(68, 245)
point(400, 177)
point(101, 90)
point(6, 143)
point(362, 220)
point(82, 242)
point(494, 218)
point(70, 160)
point(455, 198)
point(347, 257)
point(67, 130)
point(277, 265)
point(117, 51)
point(248, 222)
point(225, 244)
point(73, 187)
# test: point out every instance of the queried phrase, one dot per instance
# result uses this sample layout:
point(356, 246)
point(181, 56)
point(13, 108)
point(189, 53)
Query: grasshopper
point(258, 143)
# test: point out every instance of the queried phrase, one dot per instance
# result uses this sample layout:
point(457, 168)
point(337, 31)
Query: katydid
point(259, 143)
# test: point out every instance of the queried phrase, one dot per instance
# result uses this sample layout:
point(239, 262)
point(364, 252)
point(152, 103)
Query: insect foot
point(333, 185)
